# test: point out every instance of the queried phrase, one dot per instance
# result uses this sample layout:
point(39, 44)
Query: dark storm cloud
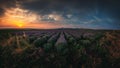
point(47, 6)
point(4, 4)
point(91, 12)
point(1, 11)
point(108, 7)
point(7, 3)
point(77, 7)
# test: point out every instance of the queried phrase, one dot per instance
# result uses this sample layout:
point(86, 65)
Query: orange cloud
point(22, 18)
point(17, 17)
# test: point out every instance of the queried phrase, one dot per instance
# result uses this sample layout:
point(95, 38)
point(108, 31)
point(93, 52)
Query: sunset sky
point(45, 14)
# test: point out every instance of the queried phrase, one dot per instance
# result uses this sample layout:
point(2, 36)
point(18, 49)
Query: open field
point(59, 48)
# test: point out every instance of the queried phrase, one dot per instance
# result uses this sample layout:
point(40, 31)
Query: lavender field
point(59, 48)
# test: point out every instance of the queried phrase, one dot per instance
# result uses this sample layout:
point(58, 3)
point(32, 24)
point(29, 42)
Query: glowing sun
point(20, 25)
